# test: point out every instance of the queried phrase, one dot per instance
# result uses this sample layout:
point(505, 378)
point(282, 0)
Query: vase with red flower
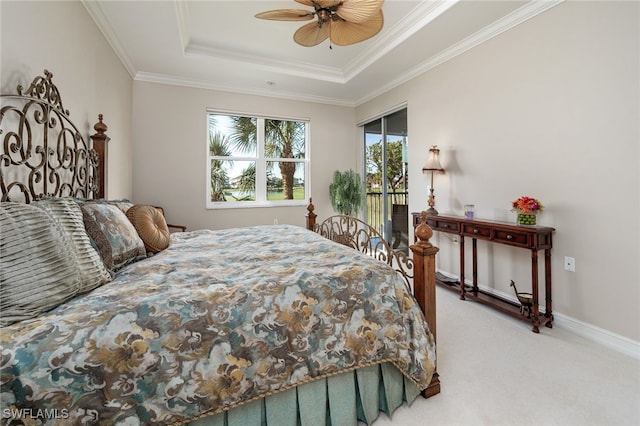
point(526, 208)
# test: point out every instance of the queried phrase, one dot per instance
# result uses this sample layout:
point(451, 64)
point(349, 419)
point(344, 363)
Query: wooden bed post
point(424, 286)
point(311, 216)
point(100, 140)
point(424, 276)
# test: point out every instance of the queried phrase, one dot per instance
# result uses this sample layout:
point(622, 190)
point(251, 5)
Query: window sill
point(255, 204)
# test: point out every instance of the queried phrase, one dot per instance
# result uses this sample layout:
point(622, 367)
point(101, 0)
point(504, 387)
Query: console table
point(534, 238)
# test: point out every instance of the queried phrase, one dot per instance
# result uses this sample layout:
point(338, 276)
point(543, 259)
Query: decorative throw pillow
point(151, 226)
point(67, 214)
point(112, 234)
point(122, 204)
point(38, 267)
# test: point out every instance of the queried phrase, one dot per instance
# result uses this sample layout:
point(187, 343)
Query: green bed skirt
point(343, 399)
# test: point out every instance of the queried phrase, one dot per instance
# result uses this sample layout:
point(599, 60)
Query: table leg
point(462, 268)
point(474, 244)
point(547, 288)
point(535, 320)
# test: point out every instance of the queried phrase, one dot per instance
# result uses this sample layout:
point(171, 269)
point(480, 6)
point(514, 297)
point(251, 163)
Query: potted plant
point(527, 208)
point(347, 192)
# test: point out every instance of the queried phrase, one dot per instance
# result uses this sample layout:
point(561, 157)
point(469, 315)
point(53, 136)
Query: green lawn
point(298, 194)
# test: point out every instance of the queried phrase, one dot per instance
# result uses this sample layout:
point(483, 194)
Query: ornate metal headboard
point(354, 233)
point(43, 153)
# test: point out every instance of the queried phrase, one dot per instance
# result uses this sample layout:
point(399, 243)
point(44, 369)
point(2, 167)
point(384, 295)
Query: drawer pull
point(475, 231)
point(509, 237)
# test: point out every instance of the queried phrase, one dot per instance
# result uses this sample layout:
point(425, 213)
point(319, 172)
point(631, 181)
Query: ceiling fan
point(343, 22)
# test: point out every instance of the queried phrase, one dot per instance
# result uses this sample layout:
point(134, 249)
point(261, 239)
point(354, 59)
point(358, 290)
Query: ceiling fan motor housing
point(344, 22)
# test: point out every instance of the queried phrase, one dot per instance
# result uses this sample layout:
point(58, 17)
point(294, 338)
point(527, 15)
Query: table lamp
point(433, 166)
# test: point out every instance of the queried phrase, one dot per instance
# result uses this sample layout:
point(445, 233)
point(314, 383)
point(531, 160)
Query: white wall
point(170, 134)
point(548, 109)
point(89, 75)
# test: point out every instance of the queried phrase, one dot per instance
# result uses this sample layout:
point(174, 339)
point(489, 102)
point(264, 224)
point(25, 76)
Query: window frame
point(261, 164)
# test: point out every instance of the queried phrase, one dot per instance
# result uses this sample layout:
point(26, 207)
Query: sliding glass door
point(386, 165)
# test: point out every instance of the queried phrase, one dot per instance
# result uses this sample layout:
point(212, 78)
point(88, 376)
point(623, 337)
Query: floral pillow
point(122, 204)
point(113, 235)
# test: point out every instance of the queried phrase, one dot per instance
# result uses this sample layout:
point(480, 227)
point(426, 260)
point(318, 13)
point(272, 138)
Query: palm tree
point(247, 183)
point(218, 145)
point(283, 139)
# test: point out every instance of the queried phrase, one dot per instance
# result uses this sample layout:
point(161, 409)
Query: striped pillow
point(67, 214)
point(38, 267)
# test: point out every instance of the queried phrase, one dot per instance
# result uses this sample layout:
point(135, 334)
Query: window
point(256, 161)
point(386, 162)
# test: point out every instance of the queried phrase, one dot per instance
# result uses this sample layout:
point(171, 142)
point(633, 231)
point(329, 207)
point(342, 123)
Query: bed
point(108, 322)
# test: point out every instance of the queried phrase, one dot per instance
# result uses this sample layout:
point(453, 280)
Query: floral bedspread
point(218, 318)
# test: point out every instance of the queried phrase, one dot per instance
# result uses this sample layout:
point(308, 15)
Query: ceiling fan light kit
point(344, 22)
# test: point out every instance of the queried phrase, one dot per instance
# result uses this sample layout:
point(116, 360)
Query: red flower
point(526, 204)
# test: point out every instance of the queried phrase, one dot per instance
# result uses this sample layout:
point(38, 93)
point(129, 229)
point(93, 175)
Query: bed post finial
point(424, 282)
point(311, 216)
point(100, 127)
point(100, 140)
point(423, 231)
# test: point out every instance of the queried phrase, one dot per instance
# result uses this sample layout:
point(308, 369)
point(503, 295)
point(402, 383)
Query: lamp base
point(431, 211)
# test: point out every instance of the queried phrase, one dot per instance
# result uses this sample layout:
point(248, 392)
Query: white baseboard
point(599, 335)
point(588, 331)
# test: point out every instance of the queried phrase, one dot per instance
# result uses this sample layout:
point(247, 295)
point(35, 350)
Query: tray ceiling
point(221, 45)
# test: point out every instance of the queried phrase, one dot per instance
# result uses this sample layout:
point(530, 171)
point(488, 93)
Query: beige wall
point(89, 75)
point(548, 109)
point(170, 135)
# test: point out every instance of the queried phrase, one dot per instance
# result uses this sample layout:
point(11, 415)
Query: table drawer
point(476, 231)
point(514, 238)
point(443, 225)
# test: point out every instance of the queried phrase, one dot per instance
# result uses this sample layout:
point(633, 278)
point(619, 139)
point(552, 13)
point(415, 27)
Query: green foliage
point(395, 169)
point(218, 145)
point(283, 139)
point(347, 192)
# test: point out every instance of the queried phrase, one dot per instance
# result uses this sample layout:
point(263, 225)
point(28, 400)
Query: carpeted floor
point(495, 371)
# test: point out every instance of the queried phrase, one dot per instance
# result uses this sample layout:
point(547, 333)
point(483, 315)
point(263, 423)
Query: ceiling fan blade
point(358, 11)
point(312, 34)
point(286, 15)
point(320, 3)
point(327, 3)
point(344, 33)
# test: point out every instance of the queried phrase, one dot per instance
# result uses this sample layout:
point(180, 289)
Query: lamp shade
point(433, 161)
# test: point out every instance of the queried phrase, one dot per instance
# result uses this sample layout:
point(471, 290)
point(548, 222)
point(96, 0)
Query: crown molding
point(293, 68)
point(419, 17)
point(101, 21)
point(509, 21)
point(199, 84)
point(182, 19)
